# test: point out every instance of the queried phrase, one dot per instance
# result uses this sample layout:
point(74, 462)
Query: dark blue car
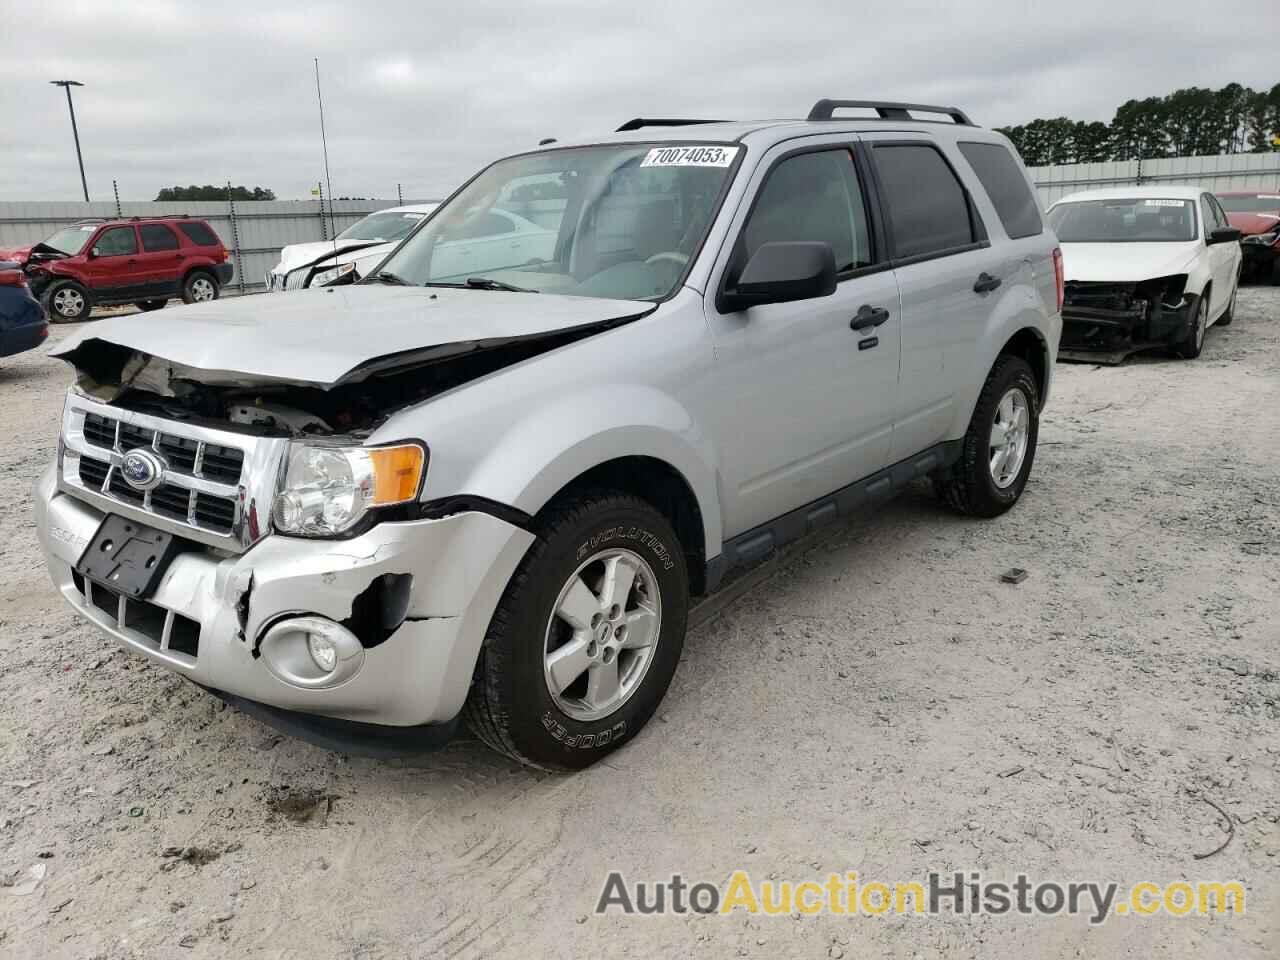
point(23, 324)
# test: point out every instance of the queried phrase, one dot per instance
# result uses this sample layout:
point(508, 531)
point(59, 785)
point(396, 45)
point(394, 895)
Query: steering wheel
point(674, 256)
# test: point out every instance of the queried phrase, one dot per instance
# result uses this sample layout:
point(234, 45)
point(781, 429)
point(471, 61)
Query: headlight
point(327, 490)
point(1266, 239)
point(322, 277)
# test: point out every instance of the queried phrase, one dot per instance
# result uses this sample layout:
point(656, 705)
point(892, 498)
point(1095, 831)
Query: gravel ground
point(854, 711)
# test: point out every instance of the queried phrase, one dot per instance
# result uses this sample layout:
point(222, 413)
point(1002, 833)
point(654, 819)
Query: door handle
point(986, 283)
point(868, 317)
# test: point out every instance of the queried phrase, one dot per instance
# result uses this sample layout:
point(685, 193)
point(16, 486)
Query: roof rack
point(824, 110)
point(640, 123)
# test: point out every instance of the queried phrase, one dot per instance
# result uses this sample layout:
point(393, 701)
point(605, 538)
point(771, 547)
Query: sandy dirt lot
point(880, 702)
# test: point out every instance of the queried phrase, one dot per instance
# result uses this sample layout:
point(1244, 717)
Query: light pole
point(67, 85)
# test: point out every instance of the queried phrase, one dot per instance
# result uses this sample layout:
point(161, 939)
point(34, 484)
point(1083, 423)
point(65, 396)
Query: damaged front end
point(1105, 322)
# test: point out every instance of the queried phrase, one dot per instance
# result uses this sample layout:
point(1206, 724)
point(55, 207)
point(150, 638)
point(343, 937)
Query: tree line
point(210, 192)
point(1186, 123)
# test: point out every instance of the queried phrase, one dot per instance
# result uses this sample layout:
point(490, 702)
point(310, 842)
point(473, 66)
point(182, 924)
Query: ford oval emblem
point(142, 469)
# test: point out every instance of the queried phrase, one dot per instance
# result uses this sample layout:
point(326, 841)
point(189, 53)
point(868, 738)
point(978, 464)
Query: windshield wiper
point(484, 283)
point(386, 276)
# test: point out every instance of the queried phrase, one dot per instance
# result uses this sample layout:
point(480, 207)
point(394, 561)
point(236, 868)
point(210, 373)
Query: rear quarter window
point(1002, 178)
point(199, 234)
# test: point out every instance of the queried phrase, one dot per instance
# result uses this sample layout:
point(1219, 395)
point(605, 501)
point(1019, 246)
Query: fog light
point(311, 651)
point(322, 651)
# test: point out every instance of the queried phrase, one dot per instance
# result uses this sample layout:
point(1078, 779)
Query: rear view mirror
point(782, 272)
point(1225, 235)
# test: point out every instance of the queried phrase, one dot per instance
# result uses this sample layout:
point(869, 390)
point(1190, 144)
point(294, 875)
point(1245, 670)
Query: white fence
point(254, 231)
point(1237, 171)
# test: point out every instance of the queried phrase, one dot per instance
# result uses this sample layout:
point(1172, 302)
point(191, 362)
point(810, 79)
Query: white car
point(368, 241)
point(1145, 267)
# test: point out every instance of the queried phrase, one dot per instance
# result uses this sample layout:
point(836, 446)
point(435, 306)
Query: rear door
point(806, 403)
point(112, 267)
point(161, 260)
point(944, 264)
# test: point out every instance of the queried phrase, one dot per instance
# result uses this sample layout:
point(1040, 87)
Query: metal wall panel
point(261, 227)
point(1238, 171)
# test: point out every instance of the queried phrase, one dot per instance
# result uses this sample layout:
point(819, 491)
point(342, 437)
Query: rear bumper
point(407, 674)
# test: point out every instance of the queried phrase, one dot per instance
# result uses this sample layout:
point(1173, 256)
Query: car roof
point(767, 133)
point(1126, 193)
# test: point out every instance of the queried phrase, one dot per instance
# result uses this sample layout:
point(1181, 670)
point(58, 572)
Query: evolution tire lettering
point(627, 533)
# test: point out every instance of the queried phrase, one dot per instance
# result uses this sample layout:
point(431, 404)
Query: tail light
point(1059, 280)
point(12, 278)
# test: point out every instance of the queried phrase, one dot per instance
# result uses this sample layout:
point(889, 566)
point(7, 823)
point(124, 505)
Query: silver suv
point(485, 484)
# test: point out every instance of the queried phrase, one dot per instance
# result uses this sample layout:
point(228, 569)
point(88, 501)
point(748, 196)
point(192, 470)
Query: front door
point(112, 268)
point(805, 401)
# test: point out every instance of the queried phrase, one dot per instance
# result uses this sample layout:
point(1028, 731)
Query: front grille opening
point(222, 464)
point(99, 431)
point(184, 636)
point(143, 617)
point(92, 472)
point(170, 501)
point(180, 452)
point(217, 514)
point(219, 463)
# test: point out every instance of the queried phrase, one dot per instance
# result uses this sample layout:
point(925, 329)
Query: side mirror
point(94, 252)
point(782, 272)
point(1225, 235)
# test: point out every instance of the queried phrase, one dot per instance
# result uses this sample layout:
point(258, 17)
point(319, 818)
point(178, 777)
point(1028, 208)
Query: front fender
point(558, 442)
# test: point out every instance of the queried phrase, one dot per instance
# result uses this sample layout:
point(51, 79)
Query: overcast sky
point(423, 93)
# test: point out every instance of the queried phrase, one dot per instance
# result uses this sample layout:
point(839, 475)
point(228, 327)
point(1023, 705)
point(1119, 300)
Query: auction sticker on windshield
point(690, 157)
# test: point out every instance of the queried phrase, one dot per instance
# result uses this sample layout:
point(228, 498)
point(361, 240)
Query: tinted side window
point(116, 242)
point(812, 196)
point(157, 237)
point(926, 205)
point(199, 234)
point(1006, 186)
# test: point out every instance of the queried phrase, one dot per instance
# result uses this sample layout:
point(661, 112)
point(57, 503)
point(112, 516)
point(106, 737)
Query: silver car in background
point(486, 480)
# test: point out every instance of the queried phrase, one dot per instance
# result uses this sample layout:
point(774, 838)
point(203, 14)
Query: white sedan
point(368, 240)
point(1144, 267)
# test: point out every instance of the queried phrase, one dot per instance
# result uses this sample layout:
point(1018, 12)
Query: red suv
point(142, 260)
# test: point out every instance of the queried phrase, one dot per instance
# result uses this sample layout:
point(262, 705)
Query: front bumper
point(1109, 334)
point(419, 674)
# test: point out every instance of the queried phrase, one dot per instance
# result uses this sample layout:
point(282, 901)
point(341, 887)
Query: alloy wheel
point(68, 302)
point(201, 290)
point(1010, 435)
point(602, 634)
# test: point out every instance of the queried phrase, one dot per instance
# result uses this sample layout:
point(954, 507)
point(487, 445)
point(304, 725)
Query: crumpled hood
point(1125, 262)
point(301, 254)
point(1252, 223)
point(15, 254)
point(326, 335)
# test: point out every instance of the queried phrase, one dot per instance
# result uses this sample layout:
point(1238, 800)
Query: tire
point(200, 287)
point(511, 705)
point(1190, 346)
point(148, 305)
point(66, 301)
point(1230, 313)
point(970, 485)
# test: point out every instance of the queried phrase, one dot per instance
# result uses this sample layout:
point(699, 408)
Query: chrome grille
point(216, 486)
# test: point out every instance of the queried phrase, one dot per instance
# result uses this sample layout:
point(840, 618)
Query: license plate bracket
point(128, 557)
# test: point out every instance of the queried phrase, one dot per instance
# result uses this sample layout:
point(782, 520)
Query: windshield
point(620, 222)
point(1137, 220)
point(382, 227)
point(1261, 203)
point(71, 240)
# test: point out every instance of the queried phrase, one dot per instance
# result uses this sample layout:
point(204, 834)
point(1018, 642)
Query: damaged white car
point(486, 480)
point(1145, 267)
point(364, 244)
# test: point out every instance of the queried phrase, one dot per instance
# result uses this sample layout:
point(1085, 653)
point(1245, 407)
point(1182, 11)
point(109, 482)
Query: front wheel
point(200, 287)
point(1190, 346)
point(999, 446)
point(586, 638)
point(66, 301)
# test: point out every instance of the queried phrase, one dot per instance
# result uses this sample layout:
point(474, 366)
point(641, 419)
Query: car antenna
point(324, 145)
